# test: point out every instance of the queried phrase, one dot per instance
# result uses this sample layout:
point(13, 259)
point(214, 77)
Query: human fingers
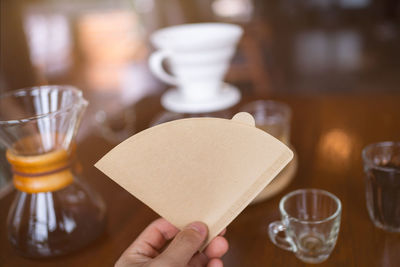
point(217, 247)
point(215, 263)
point(153, 238)
point(223, 232)
point(199, 259)
point(185, 244)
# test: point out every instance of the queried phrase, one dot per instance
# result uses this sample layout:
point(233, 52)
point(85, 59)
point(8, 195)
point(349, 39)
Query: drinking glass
point(310, 220)
point(382, 180)
point(272, 117)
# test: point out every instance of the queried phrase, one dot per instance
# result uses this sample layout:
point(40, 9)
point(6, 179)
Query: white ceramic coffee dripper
point(199, 57)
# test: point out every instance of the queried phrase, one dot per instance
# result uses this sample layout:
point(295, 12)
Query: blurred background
point(315, 46)
point(289, 47)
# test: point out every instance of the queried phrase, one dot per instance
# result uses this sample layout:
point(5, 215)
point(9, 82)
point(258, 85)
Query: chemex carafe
point(54, 212)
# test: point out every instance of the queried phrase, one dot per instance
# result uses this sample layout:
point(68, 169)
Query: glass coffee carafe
point(54, 212)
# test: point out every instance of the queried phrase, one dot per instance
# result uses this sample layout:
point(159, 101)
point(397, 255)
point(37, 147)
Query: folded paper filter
point(198, 169)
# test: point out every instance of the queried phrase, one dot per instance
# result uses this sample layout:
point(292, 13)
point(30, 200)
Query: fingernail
point(199, 227)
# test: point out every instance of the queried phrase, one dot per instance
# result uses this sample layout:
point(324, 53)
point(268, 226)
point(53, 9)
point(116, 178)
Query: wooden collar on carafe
point(46, 172)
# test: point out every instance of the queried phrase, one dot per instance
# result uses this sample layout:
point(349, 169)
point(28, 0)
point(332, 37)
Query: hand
point(148, 249)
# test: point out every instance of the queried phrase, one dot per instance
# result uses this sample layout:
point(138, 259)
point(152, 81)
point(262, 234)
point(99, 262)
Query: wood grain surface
point(328, 134)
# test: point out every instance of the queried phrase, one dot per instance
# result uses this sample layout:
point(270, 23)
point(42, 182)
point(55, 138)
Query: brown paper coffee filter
point(198, 169)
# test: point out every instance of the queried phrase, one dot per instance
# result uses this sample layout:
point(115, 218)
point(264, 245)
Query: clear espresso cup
point(310, 220)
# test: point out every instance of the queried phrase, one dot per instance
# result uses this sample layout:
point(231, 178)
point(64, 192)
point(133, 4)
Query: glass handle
point(273, 231)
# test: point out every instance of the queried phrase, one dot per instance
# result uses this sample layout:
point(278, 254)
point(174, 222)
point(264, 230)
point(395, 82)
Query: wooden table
point(328, 133)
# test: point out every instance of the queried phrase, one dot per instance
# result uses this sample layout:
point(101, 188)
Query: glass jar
point(54, 212)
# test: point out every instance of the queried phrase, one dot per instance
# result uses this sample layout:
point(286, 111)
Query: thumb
point(185, 244)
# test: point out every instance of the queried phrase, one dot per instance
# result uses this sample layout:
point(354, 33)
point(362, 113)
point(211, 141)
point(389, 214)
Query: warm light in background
point(335, 148)
point(110, 40)
point(241, 10)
